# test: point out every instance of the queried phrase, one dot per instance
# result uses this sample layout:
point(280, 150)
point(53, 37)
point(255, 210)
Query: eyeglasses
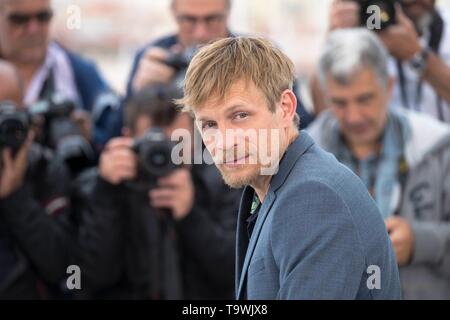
point(211, 21)
point(21, 19)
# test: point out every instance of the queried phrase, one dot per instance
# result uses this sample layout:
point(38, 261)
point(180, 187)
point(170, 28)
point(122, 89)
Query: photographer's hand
point(343, 14)
point(175, 192)
point(14, 168)
point(152, 70)
point(402, 238)
point(401, 39)
point(84, 122)
point(118, 162)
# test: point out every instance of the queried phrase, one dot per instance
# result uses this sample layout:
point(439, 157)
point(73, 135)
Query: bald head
point(174, 2)
point(11, 88)
point(24, 41)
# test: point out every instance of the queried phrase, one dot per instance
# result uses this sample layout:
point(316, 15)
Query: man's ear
point(288, 106)
point(126, 132)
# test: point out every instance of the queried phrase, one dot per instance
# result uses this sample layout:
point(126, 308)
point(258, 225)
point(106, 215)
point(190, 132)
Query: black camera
point(180, 63)
point(154, 152)
point(377, 15)
point(61, 134)
point(14, 126)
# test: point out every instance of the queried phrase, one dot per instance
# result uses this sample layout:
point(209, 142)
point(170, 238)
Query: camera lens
point(155, 157)
point(13, 127)
point(158, 158)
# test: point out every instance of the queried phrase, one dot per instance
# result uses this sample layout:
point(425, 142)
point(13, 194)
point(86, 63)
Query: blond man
point(307, 228)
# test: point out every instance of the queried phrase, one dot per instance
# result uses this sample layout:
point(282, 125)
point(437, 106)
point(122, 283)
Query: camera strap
point(436, 31)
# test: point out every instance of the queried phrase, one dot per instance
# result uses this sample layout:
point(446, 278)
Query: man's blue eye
point(208, 125)
point(241, 115)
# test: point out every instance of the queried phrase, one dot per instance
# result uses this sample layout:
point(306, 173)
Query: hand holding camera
point(139, 162)
point(174, 192)
point(401, 39)
point(14, 167)
point(160, 66)
point(344, 14)
point(394, 28)
point(377, 15)
point(145, 164)
point(152, 69)
point(15, 139)
point(118, 161)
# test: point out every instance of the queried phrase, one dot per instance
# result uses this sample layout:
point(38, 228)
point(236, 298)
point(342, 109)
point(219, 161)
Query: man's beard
point(235, 180)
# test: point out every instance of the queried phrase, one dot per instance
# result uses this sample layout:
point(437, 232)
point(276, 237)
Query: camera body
point(61, 134)
point(385, 9)
point(180, 63)
point(14, 127)
point(154, 151)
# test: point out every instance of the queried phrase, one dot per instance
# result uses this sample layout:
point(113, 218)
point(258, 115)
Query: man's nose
point(201, 34)
point(223, 140)
point(33, 26)
point(353, 115)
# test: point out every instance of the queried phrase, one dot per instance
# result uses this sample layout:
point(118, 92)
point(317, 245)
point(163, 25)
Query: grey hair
point(349, 51)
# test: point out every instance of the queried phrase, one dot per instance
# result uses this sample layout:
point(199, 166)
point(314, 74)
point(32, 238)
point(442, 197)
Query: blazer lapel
point(262, 215)
point(292, 155)
point(241, 234)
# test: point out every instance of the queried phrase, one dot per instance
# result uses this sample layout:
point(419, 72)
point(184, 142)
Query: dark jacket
point(97, 98)
point(35, 230)
point(130, 251)
point(170, 41)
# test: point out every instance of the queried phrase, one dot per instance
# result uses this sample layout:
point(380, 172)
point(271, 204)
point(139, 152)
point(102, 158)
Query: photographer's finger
point(161, 204)
point(176, 180)
point(126, 173)
point(176, 48)
point(162, 194)
point(124, 164)
point(7, 159)
point(123, 153)
point(22, 155)
point(402, 18)
point(119, 143)
point(156, 53)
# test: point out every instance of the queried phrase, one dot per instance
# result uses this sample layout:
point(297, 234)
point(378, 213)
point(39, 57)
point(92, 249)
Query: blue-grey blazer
point(318, 235)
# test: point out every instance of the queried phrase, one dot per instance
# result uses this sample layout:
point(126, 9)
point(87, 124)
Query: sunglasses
point(20, 19)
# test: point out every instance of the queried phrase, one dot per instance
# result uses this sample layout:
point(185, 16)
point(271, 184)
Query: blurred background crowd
point(86, 109)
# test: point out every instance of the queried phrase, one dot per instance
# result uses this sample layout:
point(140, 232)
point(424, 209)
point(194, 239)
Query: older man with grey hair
point(402, 157)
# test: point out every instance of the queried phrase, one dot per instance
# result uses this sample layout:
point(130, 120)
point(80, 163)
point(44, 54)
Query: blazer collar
point(297, 148)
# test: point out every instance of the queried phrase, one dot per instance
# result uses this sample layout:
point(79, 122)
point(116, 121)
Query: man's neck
point(262, 184)
point(27, 72)
point(363, 151)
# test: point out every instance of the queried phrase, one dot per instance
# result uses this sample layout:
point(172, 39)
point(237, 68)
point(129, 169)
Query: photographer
point(169, 235)
point(417, 39)
point(47, 68)
point(198, 21)
point(34, 205)
point(165, 61)
point(402, 157)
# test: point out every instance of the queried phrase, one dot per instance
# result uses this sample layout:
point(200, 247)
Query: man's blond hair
point(218, 66)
